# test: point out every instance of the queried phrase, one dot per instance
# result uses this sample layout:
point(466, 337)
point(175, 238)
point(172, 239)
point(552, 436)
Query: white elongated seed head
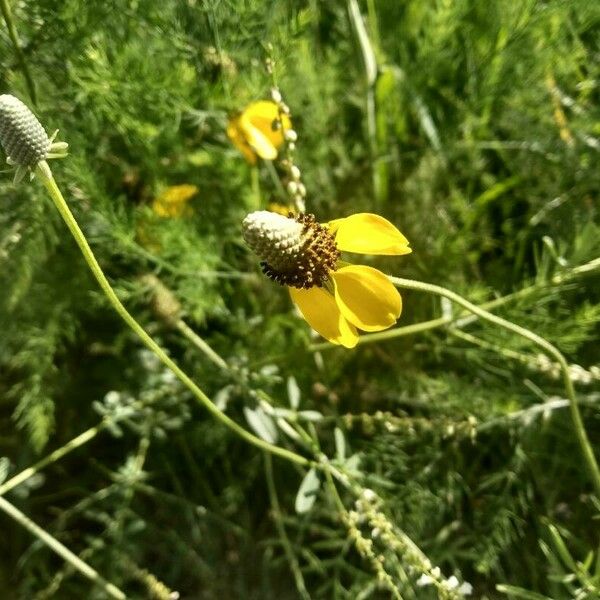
point(21, 134)
point(295, 251)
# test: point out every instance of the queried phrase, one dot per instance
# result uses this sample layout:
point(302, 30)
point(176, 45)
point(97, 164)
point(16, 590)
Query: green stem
point(277, 517)
point(275, 178)
point(75, 443)
point(463, 321)
point(189, 333)
point(580, 433)
point(525, 359)
point(372, 338)
point(255, 187)
point(14, 38)
point(373, 25)
point(60, 549)
point(92, 263)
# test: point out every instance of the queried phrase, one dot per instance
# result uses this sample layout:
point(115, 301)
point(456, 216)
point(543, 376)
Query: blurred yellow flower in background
point(257, 131)
point(281, 209)
point(172, 202)
point(335, 298)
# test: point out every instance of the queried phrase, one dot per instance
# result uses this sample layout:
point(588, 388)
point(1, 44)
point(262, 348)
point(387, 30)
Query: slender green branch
point(275, 177)
point(189, 333)
point(14, 38)
point(371, 70)
point(580, 433)
point(507, 352)
point(255, 187)
point(278, 518)
point(373, 25)
point(60, 549)
point(334, 492)
point(75, 443)
point(459, 319)
point(92, 263)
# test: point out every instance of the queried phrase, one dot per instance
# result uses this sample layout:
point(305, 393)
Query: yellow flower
point(172, 202)
point(257, 130)
point(335, 298)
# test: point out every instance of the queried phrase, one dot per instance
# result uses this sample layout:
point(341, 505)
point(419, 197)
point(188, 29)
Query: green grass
point(479, 138)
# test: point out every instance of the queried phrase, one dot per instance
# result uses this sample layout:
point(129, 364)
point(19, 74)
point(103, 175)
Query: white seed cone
point(21, 134)
point(274, 238)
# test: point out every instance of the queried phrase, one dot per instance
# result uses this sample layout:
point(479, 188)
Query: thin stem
point(334, 492)
point(255, 187)
point(60, 549)
point(215, 358)
point(459, 319)
point(525, 359)
point(189, 333)
point(580, 433)
point(14, 38)
point(373, 25)
point(92, 263)
point(73, 444)
point(372, 338)
point(275, 177)
point(278, 518)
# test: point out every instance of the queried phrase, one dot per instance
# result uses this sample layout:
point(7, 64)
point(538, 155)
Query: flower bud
point(276, 95)
point(21, 134)
point(291, 135)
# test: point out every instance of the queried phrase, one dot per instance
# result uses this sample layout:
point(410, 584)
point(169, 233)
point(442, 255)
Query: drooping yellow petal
point(258, 140)
point(264, 116)
point(321, 312)
point(236, 135)
point(367, 233)
point(258, 130)
point(366, 297)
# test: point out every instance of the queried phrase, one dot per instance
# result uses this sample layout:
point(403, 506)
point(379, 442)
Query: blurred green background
point(476, 131)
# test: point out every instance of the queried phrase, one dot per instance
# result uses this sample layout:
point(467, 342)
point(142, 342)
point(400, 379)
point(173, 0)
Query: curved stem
point(14, 38)
point(584, 443)
point(189, 333)
point(459, 319)
point(75, 443)
point(92, 263)
point(279, 524)
point(462, 321)
point(60, 549)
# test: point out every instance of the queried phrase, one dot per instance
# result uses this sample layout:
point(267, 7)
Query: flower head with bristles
point(295, 251)
point(24, 140)
point(335, 298)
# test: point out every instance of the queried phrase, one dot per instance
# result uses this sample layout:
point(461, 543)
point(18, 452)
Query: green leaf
point(293, 392)
point(310, 415)
point(517, 592)
point(4, 464)
point(353, 464)
point(262, 424)
point(307, 493)
point(340, 444)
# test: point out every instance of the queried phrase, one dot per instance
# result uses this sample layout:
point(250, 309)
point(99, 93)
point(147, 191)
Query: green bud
point(21, 134)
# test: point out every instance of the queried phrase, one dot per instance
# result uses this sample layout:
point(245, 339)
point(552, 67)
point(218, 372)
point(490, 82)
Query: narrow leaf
point(4, 464)
point(262, 424)
point(340, 444)
point(307, 493)
point(293, 392)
